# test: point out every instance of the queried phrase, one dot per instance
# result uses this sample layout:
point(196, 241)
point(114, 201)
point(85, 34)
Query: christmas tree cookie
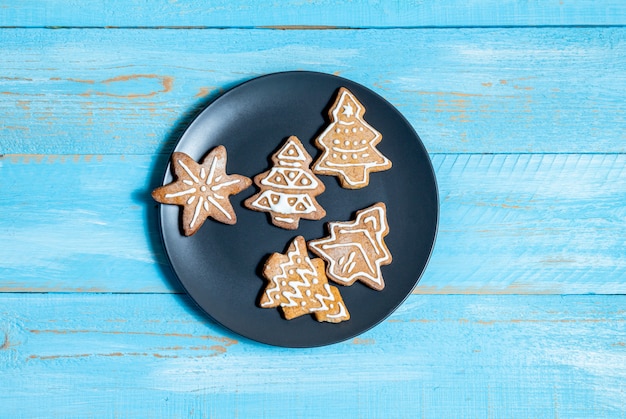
point(202, 189)
point(288, 189)
point(349, 144)
point(355, 250)
point(298, 285)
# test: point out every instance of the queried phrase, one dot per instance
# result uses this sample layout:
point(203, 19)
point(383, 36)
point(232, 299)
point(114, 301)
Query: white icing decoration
point(348, 262)
point(290, 164)
point(219, 207)
point(375, 212)
point(355, 244)
point(291, 151)
point(209, 179)
point(281, 204)
point(342, 312)
point(222, 185)
point(186, 169)
point(177, 194)
point(281, 280)
point(347, 110)
point(348, 150)
point(294, 179)
point(196, 212)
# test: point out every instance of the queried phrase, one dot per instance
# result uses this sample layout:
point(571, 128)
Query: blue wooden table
point(521, 312)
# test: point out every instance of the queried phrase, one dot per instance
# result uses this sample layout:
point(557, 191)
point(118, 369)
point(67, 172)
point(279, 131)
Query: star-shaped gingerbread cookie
point(355, 250)
point(202, 189)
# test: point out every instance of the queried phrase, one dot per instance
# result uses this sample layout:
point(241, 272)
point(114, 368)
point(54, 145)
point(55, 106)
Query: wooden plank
point(509, 224)
point(465, 91)
point(361, 13)
point(86, 355)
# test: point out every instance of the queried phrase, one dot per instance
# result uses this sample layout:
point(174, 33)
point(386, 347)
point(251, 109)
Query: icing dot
point(346, 130)
point(344, 157)
point(304, 181)
point(360, 128)
point(290, 152)
point(331, 306)
point(334, 155)
point(291, 271)
point(303, 303)
point(347, 143)
point(308, 293)
point(336, 141)
point(338, 130)
point(363, 142)
point(292, 175)
point(203, 188)
point(354, 156)
point(353, 129)
point(277, 178)
point(299, 260)
point(283, 283)
point(315, 281)
point(355, 142)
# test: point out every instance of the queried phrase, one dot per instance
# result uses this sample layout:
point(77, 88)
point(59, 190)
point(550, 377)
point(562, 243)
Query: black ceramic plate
point(220, 265)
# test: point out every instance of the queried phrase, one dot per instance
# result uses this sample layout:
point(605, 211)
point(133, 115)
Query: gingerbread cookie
point(298, 285)
point(289, 188)
point(349, 144)
point(202, 189)
point(355, 250)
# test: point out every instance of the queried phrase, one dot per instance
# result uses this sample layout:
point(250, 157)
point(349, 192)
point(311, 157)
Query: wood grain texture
point(510, 224)
point(361, 13)
point(518, 90)
point(438, 356)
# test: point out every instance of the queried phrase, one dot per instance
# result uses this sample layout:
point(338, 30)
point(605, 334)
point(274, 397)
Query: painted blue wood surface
point(509, 224)
point(86, 355)
point(355, 13)
point(464, 90)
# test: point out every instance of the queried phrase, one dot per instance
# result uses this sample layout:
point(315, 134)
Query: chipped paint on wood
point(529, 349)
point(464, 91)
